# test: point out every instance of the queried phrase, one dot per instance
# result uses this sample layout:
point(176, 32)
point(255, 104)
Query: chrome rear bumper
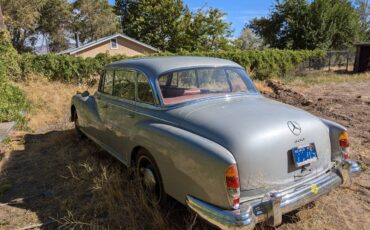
point(273, 205)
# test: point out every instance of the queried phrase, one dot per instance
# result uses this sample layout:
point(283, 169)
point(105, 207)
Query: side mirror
point(85, 93)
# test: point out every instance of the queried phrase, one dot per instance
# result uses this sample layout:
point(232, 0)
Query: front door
point(121, 112)
point(97, 128)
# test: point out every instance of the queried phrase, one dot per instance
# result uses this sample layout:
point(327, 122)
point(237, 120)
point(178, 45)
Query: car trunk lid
point(256, 131)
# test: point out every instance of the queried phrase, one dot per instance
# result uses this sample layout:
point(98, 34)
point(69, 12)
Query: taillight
point(343, 140)
point(344, 144)
point(233, 186)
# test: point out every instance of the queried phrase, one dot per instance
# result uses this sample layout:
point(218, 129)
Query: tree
point(170, 26)
point(53, 23)
point(301, 24)
point(93, 19)
point(21, 19)
point(363, 10)
point(209, 29)
point(2, 24)
point(9, 58)
point(248, 40)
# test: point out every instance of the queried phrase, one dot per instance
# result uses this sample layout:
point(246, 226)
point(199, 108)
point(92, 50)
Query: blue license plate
point(303, 155)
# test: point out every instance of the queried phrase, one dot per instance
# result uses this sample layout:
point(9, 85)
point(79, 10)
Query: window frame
point(102, 82)
point(111, 43)
point(135, 101)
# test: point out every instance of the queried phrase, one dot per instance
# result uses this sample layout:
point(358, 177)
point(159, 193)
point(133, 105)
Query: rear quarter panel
point(189, 164)
point(334, 130)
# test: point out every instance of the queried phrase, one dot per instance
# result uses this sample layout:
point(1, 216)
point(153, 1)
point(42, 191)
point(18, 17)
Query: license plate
point(303, 155)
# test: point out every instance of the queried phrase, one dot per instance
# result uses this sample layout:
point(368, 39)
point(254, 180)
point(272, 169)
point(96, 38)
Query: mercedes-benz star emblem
point(294, 127)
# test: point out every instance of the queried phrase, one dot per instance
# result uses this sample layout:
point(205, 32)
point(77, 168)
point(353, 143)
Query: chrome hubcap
point(148, 179)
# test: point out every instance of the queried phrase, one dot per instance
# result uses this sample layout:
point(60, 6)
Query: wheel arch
point(73, 111)
point(134, 153)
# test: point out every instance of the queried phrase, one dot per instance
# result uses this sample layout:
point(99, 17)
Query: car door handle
point(105, 106)
point(130, 115)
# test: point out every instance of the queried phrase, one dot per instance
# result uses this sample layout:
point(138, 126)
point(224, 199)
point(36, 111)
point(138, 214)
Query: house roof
point(101, 40)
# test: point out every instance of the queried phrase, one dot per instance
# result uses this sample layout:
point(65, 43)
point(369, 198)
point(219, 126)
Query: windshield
point(190, 84)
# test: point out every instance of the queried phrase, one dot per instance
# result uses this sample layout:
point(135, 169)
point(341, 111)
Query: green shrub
point(12, 101)
point(9, 56)
point(269, 63)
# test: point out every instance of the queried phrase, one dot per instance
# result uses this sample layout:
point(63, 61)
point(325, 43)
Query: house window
point(114, 43)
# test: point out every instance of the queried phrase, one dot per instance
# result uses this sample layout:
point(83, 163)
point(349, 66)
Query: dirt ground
point(49, 177)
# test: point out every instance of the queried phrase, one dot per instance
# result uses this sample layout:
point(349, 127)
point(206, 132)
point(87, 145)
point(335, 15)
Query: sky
point(238, 12)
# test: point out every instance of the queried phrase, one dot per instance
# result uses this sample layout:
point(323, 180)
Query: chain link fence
point(338, 61)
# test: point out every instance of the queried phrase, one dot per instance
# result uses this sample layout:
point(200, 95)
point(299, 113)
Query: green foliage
point(170, 26)
point(12, 101)
point(21, 20)
point(8, 56)
point(93, 19)
point(317, 24)
point(64, 68)
point(248, 40)
point(54, 21)
point(265, 64)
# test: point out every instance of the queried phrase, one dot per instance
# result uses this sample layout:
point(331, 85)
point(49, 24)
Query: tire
point(77, 125)
point(150, 178)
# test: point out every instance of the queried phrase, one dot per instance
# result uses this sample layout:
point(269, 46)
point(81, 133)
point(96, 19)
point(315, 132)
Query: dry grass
point(262, 87)
point(325, 78)
point(90, 189)
point(50, 101)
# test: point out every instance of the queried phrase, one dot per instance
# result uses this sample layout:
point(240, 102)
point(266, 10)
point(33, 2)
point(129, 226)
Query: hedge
point(12, 100)
point(269, 63)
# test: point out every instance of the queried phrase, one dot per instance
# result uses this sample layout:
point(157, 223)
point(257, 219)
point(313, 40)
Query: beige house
point(113, 45)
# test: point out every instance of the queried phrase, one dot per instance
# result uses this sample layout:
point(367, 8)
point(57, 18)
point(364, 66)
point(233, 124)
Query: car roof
point(156, 66)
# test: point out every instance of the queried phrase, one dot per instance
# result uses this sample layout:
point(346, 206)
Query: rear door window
point(144, 89)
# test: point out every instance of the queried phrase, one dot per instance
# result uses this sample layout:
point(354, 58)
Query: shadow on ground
point(71, 182)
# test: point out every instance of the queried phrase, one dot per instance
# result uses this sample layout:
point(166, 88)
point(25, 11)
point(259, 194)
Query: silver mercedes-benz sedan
point(197, 129)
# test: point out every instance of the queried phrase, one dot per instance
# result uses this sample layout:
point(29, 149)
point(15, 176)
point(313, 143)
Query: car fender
point(87, 110)
point(189, 164)
point(334, 130)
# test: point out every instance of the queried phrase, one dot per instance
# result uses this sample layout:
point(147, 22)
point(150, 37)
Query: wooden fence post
point(347, 61)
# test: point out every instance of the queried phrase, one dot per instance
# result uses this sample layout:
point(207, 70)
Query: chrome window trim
point(102, 82)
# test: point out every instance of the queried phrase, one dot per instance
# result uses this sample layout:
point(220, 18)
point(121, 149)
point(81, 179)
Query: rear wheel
point(150, 178)
point(77, 125)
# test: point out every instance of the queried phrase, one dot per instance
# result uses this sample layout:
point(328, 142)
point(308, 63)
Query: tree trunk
point(2, 24)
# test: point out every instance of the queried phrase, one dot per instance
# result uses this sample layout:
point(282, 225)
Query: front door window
point(124, 84)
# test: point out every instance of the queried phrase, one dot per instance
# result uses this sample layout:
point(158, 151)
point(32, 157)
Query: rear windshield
point(190, 84)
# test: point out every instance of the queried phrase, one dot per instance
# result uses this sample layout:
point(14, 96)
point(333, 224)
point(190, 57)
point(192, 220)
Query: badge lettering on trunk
point(294, 127)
